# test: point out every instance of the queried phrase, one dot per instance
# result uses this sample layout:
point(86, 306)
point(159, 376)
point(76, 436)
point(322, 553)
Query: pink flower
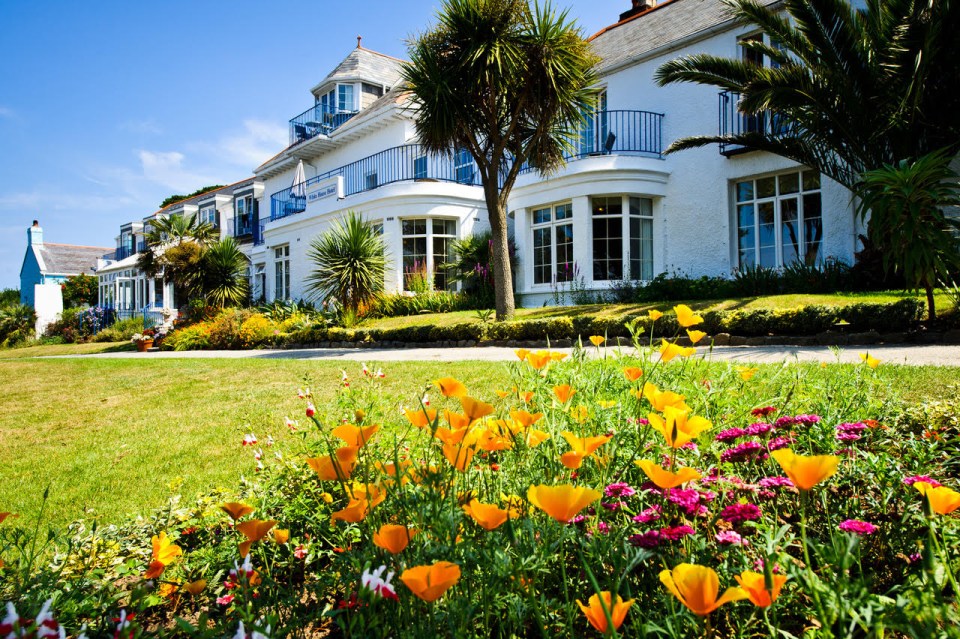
point(603, 527)
point(675, 533)
point(747, 451)
point(730, 434)
point(619, 489)
point(289, 423)
point(910, 481)
point(649, 539)
point(225, 600)
point(731, 538)
point(249, 439)
point(648, 515)
point(763, 412)
point(858, 527)
point(779, 442)
point(775, 482)
point(300, 552)
point(736, 513)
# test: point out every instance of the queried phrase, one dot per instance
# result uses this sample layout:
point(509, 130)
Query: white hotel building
point(619, 210)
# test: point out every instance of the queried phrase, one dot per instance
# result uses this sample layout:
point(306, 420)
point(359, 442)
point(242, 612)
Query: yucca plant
point(349, 263)
point(224, 274)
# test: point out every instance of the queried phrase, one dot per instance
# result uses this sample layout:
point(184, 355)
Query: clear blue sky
point(108, 107)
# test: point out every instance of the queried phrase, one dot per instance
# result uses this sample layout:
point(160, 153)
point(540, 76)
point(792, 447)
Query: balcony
point(317, 120)
point(406, 163)
point(258, 234)
point(617, 133)
point(122, 253)
point(243, 226)
point(733, 122)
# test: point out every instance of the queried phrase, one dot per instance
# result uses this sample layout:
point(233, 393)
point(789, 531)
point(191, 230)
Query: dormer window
point(372, 89)
point(339, 100)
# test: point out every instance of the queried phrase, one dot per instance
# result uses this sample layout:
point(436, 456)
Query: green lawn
point(114, 435)
point(65, 349)
point(617, 310)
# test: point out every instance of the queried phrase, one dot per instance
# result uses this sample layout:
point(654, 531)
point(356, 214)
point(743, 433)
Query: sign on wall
point(325, 190)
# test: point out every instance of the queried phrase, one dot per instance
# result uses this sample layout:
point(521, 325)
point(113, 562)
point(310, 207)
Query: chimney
point(639, 6)
point(35, 235)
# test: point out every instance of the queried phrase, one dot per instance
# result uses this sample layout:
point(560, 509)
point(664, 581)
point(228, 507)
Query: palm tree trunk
point(500, 253)
point(931, 304)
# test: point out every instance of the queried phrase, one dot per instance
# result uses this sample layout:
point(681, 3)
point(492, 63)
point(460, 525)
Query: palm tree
point(853, 90)
point(508, 83)
point(175, 246)
point(349, 262)
point(224, 274)
point(906, 203)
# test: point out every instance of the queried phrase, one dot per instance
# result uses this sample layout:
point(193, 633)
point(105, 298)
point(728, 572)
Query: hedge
point(805, 320)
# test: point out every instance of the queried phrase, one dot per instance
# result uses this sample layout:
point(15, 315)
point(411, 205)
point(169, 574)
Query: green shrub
point(120, 331)
point(17, 323)
point(195, 337)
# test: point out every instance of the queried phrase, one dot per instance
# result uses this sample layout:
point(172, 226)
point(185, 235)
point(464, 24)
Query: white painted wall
point(48, 304)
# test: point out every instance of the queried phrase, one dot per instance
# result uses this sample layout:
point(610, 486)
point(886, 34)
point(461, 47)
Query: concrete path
point(913, 355)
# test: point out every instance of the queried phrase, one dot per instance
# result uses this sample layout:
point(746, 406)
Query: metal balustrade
point(733, 122)
point(242, 226)
point(318, 119)
point(605, 133)
point(258, 234)
point(122, 253)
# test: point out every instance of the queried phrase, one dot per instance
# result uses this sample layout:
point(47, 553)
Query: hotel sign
point(326, 189)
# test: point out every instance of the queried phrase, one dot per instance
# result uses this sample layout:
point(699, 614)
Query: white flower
point(46, 625)
point(292, 425)
point(374, 582)
point(364, 370)
point(249, 439)
point(269, 440)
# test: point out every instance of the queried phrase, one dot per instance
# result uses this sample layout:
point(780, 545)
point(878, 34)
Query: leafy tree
point(508, 83)
point(80, 290)
point(224, 274)
point(175, 246)
point(906, 204)
point(349, 262)
point(9, 296)
point(851, 90)
point(173, 199)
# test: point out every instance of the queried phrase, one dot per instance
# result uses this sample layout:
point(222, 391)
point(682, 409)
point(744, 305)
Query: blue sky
point(106, 107)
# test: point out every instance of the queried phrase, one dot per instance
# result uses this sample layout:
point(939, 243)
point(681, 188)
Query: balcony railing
point(317, 120)
point(123, 252)
point(733, 122)
point(141, 246)
point(258, 234)
point(242, 226)
point(617, 133)
point(401, 163)
point(607, 133)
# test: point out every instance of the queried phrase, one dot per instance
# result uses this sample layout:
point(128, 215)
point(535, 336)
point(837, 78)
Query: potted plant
point(143, 340)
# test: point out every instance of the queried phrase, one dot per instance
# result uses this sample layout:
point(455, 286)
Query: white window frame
point(208, 214)
point(548, 225)
point(633, 207)
point(747, 201)
point(429, 235)
point(281, 272)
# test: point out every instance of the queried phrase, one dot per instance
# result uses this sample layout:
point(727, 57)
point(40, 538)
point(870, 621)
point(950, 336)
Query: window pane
point(767, 234)
point(744, 191)
point(564, 211)
point(789, 183)
point(812, 229)
point(541, 216)
point(811, 180)
point(444, 227)
point(607, 206)
point(442, 253)
point(765, 187)
point(790, 230)
point(607, 248)
point(746, 234)
point(542, 259)
point(564, 253)
point(641, 206)
point(414, 227)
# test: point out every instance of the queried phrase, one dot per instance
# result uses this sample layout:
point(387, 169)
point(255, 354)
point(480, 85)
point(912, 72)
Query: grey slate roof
point(364, 64)
point(668, 22)
point(67, 259)
point(229, 189)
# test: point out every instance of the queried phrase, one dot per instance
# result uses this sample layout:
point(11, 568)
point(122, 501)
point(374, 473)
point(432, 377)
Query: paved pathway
point(914, 355)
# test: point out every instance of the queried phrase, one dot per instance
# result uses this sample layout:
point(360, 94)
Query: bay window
point(427, 246)
point(553, 244)
point(622, 238)
point(779, 220)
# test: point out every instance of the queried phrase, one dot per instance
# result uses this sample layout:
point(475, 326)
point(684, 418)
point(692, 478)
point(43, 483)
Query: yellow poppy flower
point(538, 360)
point(474, 408)
point(686, 317)
point(456, 420)
point(754, 584)
point(522, 353)
point(869, 360)
point(430, 582)
point(421, 418)
point(806, 471)
point(942, 500)
point(459, 455)
point(677, 427)
point(281, 535)
point(393, 538)
point(665, 478)
point(564, 392)
point(524, 418)
point(697, 587)
point(654, 315)
point(746, 374)
point(487, 516)
point(536, 437)
point(355, 435)
point(254, 530)
point(596, 616)
point(236, 510)
point(164, 551)
point(597, 340)
point(633, 373)
point(562, 502)
point(450, 387)
point(659, 400)
point(669, 350)
point(695, 336)
point(585, 445)
point(194, 587)
point(337, 467)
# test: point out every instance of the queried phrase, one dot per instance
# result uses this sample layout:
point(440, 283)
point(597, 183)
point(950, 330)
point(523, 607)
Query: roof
point(367, 65)
point(656, 28)
point(206, 195)
point(68, 259)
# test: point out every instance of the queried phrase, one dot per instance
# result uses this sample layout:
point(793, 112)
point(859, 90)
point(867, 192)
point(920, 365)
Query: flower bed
point(642, 496)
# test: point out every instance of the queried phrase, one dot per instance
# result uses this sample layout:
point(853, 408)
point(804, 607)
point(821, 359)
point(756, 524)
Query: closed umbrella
point(299, 188)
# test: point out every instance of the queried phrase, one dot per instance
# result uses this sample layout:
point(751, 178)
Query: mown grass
point(617, 310)
point(110, 437)
point(65, 349)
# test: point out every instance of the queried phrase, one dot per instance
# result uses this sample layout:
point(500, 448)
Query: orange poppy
point(562, 502)
point(164, 551)
point(754, 584)
point(632, 373)
point(697, 587)
point(430, 582)
point(451, 387)
point(421, 418)
point(459, 455)
point(393, 538)
point(659, 400)
point(337, 467)
point(194, 587)
point(564, 392)
point(597, 340)
point(236, 510)
point(474, 408)
point(487, 516)
point(669, 350)
point(585, 445)
point(665, 478)
point(355, 435)
point(538, 360)
point(943, 500)
point(677, 427)
point(595, 614)
point(806, 471)
point(254, 530)
point(456, 420)
point(281, 535)
point(524, 418)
